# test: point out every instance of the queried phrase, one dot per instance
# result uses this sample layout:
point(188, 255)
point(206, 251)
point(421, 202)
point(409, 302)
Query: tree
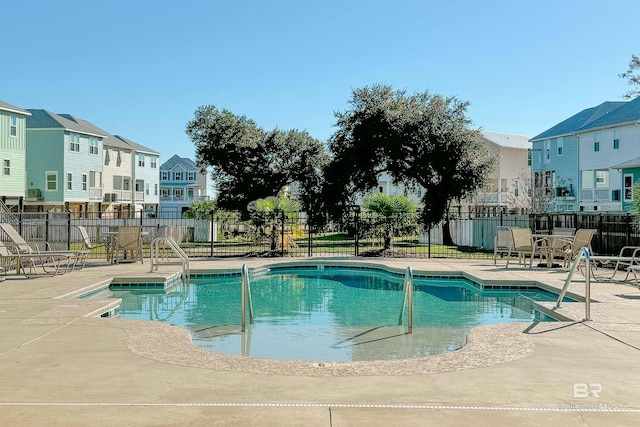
point(632, 75)
point(396, 214)
point(268, 213)
point(420, 140)
point(249, 163)
point(201, 210)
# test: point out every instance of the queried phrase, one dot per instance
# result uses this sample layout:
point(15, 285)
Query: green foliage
point(269, 215)
point(397, 216)
point(632, 75)
point(249, 163)
point(636, 197)
point(420, 140)
point(201, 210)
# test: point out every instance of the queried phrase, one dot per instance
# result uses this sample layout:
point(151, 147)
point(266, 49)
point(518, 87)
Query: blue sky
point(140, 68)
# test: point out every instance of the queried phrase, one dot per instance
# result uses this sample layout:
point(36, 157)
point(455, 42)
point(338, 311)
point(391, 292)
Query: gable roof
point(43, 119)
point(186, 164)
point(139, 148)
point(633, 163)
point(113, 141)
point(579, 121)
point(12, 108)
point(626, 113)
point(507, 140)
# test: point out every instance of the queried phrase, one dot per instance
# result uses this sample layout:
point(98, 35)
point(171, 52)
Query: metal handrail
point(155, 254)
point(246, 297)
point(407, 299)
point(583, 253)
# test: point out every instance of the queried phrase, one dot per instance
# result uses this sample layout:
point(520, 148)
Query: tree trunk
point(446, 234)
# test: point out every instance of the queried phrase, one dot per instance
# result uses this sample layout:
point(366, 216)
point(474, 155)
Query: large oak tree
point(419, 139)
point(249, 163)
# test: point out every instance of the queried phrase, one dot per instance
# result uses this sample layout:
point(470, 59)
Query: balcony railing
point(183, 199)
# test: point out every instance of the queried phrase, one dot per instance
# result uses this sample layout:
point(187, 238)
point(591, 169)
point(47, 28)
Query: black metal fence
point(464, 235)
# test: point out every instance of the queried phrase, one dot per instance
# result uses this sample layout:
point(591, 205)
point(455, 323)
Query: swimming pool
point(335, 314)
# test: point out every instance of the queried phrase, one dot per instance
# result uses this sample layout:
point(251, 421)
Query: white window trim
point(46, 180)
point(85, 182)
point(69, 181)
point(6, 166)
point(13, 126)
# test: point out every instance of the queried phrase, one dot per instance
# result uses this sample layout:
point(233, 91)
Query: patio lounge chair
point(90, 246)
point(502, 242)
point(129, 238)
point(582, 239)
point(524, 243)
point(55, 258)
point(628, 257)
point(24, 248)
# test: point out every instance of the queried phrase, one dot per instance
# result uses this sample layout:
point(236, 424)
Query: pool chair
point(128, 240)
point(89, 246)
point(628, 258)
point(19, 259)
point(24, 248)
point(582, 239)
point(502, 242)
point(523, 244)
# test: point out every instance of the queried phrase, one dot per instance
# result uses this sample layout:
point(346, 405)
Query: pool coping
point(485, 346)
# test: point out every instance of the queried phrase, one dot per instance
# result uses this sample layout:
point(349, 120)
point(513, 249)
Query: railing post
point(357, 229)
point(212, 225)
point(68, 230)
point(46, 227)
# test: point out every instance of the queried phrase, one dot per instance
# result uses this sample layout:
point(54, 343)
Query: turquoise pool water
point(331, 315)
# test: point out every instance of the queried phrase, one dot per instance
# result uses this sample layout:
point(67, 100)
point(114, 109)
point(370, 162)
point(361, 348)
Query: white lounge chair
point(55, 258)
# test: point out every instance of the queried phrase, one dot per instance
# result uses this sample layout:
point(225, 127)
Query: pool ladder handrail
point(407, 300)
point(583, 254)
point(155, 254)
point(246, 297)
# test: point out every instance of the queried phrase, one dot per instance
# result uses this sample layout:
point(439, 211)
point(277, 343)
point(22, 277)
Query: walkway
point(60, 365)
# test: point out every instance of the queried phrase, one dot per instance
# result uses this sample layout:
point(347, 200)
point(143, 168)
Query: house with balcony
point(13, 154)
point(578, 160)
point(146, 176)
point(64, 163)
point(181, 184)
point(117, 177)
point(506, 185)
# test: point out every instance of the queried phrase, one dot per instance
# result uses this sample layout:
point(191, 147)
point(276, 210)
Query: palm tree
point(266, 213)
point(395, 212)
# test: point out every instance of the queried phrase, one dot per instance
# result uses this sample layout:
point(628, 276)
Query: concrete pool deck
point(62, 365)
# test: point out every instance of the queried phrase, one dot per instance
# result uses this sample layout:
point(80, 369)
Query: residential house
point(117, 177)
point(181, 184)
point(576, 160)
point(146, 176)
point(508, 183)
point(64, 163)
point(13, 153)
point(630, 171)
point(507, 186)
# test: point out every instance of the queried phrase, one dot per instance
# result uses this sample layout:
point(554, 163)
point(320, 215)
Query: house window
point(13, 128)
point(93, 146)
point(165, 193)
point(164, 176)
point(177, 193)
point(95, 179)
point(118, 159)
point(146, 189)
point(52, 181)
point(191, 176)
point(177, 176)
point(547, 151)
point(117, 182)
point(154, 163)
point(69, 181)
point(6, 167)
point(628, 188)
point(616, 139)
point(126, 183)
point(107, 159)
point(141, 160)
point(602, 179)
point(587, 179)
point(155, 189)
point(74, 142)
point(84, 182)
point(560, 146)
point(528, 157)
point(596, 141)
point(190, 193)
